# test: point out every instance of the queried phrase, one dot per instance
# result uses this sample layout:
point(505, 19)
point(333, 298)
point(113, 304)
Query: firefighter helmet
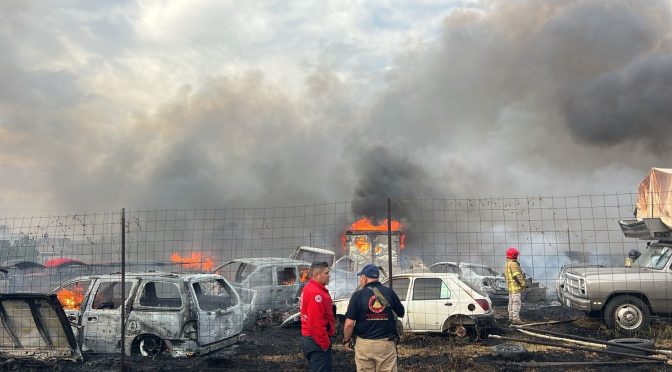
point(512, 253)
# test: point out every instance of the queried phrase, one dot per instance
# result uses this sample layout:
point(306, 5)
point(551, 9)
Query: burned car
point(181, 314)
point(485, 278)
point(313, 254)
point(274, 281)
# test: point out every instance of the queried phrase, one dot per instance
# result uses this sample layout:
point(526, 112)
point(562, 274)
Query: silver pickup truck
point(626, 297)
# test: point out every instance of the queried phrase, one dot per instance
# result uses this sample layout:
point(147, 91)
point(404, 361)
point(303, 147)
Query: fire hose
point(588, 342)
point(582, 348)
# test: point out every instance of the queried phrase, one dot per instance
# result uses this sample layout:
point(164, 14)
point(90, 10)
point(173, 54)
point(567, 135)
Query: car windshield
point(236, 272)
point(483, 271)
point(480, 271)
point(214, 294)
point(473, 286)
point(655, 257)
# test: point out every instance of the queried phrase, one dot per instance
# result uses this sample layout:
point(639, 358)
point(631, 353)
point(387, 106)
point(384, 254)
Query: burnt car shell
point(35, 326)
point(182, 314)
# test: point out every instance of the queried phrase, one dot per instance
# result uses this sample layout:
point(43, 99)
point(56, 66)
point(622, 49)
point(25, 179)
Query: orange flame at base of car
point(196, 261)
point(71, 300)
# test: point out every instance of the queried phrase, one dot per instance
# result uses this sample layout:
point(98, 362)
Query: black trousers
point(319, 360)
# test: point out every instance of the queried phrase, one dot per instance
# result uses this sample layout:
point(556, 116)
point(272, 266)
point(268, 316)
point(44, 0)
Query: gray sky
point(209, 103)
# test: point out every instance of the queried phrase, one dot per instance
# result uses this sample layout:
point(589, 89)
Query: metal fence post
point(123, 289)
point(389, 241)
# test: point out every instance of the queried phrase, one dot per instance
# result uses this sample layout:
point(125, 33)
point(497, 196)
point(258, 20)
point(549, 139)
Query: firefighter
point(515, 281)
point(371, 317)
point(317, 319)
point(633, 255)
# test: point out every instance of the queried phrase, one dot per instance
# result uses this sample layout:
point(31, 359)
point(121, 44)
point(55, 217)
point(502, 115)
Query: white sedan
point(439, 302)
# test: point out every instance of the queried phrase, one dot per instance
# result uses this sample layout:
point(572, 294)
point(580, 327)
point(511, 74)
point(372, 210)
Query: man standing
point(515, 282)
point(370, 318)
point(317, 319)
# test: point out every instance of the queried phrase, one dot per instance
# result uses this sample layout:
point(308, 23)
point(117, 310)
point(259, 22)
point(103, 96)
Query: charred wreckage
point(192, 314)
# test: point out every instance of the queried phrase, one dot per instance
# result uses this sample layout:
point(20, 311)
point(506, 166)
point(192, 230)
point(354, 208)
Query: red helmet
point(512, 253)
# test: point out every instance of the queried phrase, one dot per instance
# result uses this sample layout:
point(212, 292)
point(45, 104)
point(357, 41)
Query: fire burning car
point(439, 302)
point(181, 314)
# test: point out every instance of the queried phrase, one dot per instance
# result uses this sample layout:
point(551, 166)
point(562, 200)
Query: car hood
point(35, 326)
point(599, 271)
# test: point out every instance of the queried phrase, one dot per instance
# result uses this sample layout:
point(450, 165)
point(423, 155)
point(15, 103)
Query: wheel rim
point(150, 346)
point(628, 316)
point(460, 331)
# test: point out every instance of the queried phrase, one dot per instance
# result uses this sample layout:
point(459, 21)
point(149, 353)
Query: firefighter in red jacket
point(317, 318)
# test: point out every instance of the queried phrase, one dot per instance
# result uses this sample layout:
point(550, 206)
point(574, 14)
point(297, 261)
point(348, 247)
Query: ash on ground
point(266, 346)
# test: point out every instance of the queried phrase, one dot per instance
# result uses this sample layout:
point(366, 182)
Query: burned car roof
point(268, 260)
point(153, 274)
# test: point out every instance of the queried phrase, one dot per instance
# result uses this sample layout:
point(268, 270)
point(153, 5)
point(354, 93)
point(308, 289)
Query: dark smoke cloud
point(384, 173)
point(514, 98)
point(628, 105)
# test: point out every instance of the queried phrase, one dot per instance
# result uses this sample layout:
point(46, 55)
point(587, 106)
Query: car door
point(284, 294)
point(220, 315)
point(71, 296)
point(262, 282)
point(101, 319)
point(431, 302)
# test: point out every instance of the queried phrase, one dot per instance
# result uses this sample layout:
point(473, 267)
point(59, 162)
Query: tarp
point(655, 196)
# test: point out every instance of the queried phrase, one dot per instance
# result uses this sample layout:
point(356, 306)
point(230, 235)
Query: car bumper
point(575, 302)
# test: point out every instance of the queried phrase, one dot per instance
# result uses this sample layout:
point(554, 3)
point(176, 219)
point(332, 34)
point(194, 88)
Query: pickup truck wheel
point(627, 313)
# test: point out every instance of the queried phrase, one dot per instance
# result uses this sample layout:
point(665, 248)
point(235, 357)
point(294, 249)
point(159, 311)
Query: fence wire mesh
point(255, 250)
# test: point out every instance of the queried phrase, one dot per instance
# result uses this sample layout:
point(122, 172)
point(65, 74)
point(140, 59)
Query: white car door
point(400, 287)
point(430, 303)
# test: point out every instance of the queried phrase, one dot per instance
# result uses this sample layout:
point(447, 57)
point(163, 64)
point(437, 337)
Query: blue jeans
point(319, 360)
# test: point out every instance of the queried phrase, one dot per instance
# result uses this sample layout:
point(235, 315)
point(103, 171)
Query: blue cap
point(370, 271)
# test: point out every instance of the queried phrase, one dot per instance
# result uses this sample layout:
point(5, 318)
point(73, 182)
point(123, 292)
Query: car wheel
point(627, 313)
point(151, 346)
point(509, 351)
point(639, 342)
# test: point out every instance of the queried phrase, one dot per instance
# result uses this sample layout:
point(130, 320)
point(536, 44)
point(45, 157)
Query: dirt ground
point(270, 348)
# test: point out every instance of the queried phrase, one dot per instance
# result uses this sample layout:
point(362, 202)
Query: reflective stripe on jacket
point(515, 280)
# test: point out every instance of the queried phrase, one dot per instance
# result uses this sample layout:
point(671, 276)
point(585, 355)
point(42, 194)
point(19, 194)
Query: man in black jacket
point(370, 317)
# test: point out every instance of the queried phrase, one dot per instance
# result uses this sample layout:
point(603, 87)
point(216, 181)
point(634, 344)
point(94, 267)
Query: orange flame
point(71, 300)
point(196, 261)
point(303, 275)
point(365, 224)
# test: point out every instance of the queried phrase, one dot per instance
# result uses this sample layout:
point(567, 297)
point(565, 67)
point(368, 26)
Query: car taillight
point(484, 304)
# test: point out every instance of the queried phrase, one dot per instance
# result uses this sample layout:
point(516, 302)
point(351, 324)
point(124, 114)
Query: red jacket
point(317, 315)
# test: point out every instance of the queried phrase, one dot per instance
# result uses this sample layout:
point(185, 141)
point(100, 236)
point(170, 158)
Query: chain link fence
point(255, 249)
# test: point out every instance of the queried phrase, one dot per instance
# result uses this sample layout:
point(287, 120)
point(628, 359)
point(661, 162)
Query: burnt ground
point(270, 348)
